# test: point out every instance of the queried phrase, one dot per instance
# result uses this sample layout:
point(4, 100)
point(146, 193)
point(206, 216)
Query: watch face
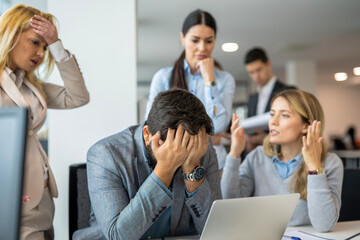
point(198, 173)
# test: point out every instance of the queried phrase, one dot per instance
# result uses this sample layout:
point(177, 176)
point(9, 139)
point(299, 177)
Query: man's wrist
point(188, 168)
point(196, 175)
point(164, 174)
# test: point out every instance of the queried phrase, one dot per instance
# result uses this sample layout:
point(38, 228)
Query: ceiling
point(326, 31)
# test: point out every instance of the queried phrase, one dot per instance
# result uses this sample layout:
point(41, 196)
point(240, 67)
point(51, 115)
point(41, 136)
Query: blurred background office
point(121, 44)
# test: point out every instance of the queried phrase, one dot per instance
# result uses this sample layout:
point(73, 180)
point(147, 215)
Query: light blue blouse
point(286, 169)
point(219, 96)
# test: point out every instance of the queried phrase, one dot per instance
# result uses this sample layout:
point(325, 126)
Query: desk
point(350, 158)
point(341, 231)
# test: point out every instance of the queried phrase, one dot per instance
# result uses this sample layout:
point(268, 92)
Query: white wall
point(340, 103)
point(102, 35)
point(39, 4)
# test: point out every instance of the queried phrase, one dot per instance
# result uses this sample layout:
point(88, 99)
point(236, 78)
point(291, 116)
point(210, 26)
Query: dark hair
point(174, 107)
point(255, 54)
point(177, 79)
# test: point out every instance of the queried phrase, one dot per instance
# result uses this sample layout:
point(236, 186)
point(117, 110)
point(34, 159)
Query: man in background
point(259, 68)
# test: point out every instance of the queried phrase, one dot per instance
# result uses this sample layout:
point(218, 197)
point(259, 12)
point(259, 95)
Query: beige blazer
point(73, 94)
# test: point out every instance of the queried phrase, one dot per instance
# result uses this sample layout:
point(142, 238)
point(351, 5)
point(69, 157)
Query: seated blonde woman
point(293, 159)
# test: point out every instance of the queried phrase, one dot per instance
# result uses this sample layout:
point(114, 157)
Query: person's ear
point(304, 128)
point(182, 38)
point(147, 135)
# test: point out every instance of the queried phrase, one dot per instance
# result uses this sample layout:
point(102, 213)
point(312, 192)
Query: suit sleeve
point(74, 92)
point(199, 205)
point(119, 217)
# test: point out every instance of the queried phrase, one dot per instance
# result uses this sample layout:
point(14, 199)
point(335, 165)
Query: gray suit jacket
point(126, 200)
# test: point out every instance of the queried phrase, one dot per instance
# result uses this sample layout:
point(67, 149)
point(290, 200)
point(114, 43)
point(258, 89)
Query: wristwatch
point(318, 171)
point(210, 83)
point(196, 175)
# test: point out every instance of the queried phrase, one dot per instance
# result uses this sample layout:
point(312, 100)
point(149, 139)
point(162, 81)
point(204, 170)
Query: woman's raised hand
point(44, 28)
point(237, 137)
point(206, 68)
point(312, 146)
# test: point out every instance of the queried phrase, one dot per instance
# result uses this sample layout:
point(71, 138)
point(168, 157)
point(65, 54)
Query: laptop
point(13, 126)
point(253, 218)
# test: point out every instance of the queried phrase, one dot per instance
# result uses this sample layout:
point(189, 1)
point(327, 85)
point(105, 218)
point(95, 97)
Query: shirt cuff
point(316, 182)
point(212, 99)
point(161, 184)
point(232, 162)
point(190, 195)
point(58, 51)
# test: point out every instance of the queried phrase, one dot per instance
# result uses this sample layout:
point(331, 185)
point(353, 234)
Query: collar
point(268, 86)
point(16, 76)
point(187, 69)
point(295, 159)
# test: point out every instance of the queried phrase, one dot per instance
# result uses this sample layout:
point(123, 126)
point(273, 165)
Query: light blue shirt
point(219, 96)
point(285, 169)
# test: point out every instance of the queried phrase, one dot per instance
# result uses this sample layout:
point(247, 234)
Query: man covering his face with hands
point(156, 179)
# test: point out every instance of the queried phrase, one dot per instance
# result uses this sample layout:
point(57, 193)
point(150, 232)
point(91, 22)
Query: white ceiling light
point(357, 71)
point(230, 47)
point(340, 76)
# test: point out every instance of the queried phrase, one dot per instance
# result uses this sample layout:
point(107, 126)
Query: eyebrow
point(199, 37)
point(40, 38)
point(272, 110)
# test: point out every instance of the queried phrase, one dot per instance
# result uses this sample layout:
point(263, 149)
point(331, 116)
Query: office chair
point(79, 201)
point(350, 197)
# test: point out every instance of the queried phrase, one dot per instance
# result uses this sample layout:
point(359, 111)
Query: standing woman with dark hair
point(28, 39)
point(194, 71)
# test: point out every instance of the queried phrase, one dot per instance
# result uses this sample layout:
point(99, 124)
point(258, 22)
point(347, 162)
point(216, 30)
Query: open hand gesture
point(44, 28)
point(237, 137)
point(312, 147)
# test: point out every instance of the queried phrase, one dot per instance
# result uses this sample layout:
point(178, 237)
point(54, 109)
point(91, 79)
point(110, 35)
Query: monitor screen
point(13, 128)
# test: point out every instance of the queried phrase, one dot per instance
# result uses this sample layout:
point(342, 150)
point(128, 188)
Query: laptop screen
point(13, 122)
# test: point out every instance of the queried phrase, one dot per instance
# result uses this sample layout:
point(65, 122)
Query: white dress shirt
point(264, 96)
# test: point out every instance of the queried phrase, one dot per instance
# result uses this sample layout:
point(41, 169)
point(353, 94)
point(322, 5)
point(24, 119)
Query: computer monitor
point(13, 129)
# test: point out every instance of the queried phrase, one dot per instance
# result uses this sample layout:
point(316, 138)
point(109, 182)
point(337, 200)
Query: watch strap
point(192, 176)
point(210, 83)
point(318, 171)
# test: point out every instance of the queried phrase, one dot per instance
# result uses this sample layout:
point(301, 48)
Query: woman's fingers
point(318, 130)
point(44, 28)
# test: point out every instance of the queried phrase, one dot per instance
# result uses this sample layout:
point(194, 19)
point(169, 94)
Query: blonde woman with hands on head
point(29, 39)
point(293, 159)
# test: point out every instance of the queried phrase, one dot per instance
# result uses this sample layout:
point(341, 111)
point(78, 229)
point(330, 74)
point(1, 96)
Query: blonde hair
point(309, 108)
point(13, 22)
